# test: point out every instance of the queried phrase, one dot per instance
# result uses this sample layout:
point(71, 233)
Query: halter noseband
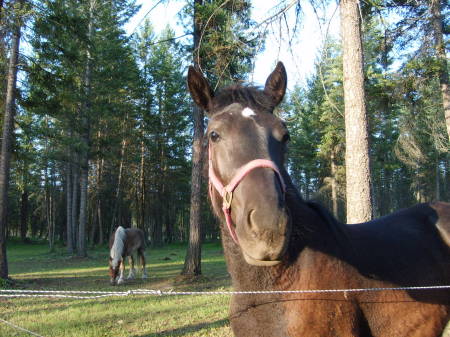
point(227, 191)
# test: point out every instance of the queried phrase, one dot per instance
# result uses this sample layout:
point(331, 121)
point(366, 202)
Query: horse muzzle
point(264, 242)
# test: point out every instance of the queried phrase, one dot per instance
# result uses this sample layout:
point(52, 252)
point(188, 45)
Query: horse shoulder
point(443, 220)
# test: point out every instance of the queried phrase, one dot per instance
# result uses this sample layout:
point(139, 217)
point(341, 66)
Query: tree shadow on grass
point(187, 330)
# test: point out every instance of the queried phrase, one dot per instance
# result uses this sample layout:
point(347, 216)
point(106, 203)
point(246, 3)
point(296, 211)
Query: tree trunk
point(437, 181)
point(24, 215)
point(51, 221)
point(437, 24)
point(192, 262)
point(48, 208)
point(141, 191)
point(95, 210)
point(81, 244)
point(8, 127)
point(92, 219)
point(357, 159)
point(75, 205)
point(3, 70)
point(69, 202)
point(85, 137)
point(117, 202)
point(446, 184)
point(157, 233)
point(334, 198)
point(99, 203)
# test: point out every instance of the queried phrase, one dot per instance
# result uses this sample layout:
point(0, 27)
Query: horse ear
point(199, 88)
point(276, 83)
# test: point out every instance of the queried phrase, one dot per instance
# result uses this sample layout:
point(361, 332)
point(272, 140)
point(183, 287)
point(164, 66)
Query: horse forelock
point(248, 96)
point(118, 246)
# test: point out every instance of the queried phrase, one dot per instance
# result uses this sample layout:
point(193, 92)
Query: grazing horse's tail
point(118, 245)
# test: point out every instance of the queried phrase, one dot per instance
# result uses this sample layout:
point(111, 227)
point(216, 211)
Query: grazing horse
point(124, 242)
point(274, 240)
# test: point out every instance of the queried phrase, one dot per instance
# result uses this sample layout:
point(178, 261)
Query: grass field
point(33, 267)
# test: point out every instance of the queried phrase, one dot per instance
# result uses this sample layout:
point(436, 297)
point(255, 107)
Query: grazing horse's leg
point(122, 271)
point(142, 257)
point(132, 272)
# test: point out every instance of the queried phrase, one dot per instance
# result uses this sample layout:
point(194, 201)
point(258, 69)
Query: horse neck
point(312, 226)
point(243, 275)
point(119, 244)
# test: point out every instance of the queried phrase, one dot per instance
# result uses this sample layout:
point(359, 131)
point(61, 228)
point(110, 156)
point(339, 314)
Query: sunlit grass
point(32, 267)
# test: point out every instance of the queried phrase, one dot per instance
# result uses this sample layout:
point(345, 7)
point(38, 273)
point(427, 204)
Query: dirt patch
point(191, 279)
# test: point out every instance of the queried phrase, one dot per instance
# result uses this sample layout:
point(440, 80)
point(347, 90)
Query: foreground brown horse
point(125, 242)
point(277, 241)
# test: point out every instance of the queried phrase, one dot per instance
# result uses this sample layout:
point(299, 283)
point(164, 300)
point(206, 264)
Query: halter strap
point(226, 192)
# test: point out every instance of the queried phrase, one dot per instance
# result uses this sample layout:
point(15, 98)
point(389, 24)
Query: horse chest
point(299, 314)
point(257, 316)
point(322, 314)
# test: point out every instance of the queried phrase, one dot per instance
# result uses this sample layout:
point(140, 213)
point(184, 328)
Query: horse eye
point(214, 136)
point(286, 138)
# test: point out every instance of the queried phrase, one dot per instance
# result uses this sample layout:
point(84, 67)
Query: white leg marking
point(121, 279)
point(131, 274)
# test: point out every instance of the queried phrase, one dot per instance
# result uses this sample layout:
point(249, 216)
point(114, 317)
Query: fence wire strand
point(80, 294)
point(12, 325)
point(88, 294)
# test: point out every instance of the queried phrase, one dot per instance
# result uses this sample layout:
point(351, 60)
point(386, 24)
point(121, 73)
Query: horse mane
point(323, 232)
point(249, 96)
point(337, 228)
point(118, 245)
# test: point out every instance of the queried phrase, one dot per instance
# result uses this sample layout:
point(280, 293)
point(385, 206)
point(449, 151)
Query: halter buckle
point(227, 198)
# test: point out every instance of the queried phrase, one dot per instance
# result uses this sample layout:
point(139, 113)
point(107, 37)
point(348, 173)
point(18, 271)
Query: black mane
point(249, 96)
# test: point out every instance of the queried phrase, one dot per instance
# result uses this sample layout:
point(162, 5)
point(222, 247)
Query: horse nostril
point(252, 223)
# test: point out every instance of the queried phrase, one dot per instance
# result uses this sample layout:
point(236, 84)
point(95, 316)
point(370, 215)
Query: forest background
point(104, 128)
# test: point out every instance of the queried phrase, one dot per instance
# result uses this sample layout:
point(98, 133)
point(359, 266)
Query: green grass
point(33, 267)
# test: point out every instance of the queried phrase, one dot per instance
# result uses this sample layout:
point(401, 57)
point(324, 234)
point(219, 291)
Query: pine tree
point(164, 134)
point(423, 139)
point(82, 77)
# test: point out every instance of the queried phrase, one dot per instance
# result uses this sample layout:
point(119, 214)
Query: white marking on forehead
point(247, 112)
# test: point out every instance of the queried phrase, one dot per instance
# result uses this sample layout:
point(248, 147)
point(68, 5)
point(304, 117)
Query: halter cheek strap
point(227, 191)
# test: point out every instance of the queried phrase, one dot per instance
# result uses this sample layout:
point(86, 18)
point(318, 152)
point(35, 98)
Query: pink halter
point(227, 191)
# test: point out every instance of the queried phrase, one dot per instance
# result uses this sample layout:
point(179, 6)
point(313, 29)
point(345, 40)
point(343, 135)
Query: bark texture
point(6, 148)
point(357, 159)
point(192, 263)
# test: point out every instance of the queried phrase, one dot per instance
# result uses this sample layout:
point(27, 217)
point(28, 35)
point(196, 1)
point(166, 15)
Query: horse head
point(113, 271)
point(247, 145)
point(116, 245)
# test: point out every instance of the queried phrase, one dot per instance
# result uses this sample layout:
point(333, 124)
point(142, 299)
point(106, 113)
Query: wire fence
point(87, 294)
point(14, 326)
